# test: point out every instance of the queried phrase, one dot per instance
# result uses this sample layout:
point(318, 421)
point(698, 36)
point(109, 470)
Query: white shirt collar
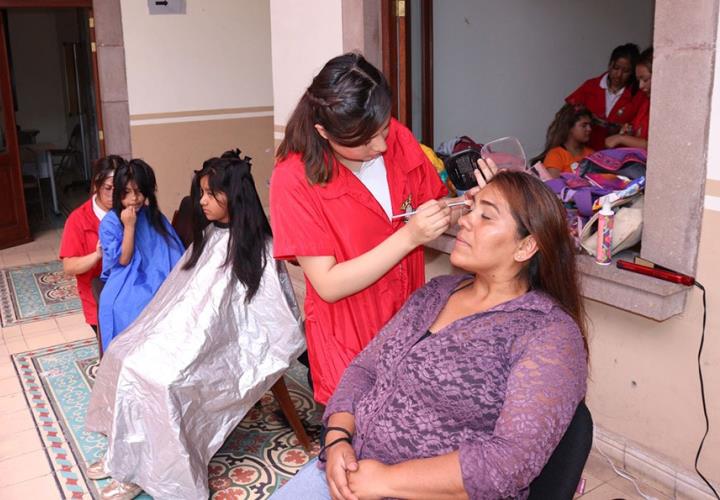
point(99, 212)
point(605, 86)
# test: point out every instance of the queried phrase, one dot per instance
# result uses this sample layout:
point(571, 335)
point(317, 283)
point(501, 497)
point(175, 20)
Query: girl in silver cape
point(221, 330)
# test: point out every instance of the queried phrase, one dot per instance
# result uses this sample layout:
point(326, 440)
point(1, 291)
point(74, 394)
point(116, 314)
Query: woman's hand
point(485, 171)
point(341, 460)
point(430, 221)
point(128, 216)
point(367, 483)
point(98, 250)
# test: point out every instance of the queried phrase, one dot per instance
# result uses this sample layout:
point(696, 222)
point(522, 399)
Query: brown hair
point(538, 212)
point(646, 59)
point(103, 168)
point(351, 99)
point(558, 131)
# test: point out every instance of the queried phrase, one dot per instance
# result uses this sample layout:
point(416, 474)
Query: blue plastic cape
point(128, 289)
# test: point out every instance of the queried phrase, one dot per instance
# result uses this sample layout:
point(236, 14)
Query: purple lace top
point(500, 386)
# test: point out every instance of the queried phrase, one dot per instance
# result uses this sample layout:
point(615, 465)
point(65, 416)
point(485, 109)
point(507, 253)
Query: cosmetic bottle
point(605, 235)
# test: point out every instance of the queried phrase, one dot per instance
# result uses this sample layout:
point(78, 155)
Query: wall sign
point(166, 7)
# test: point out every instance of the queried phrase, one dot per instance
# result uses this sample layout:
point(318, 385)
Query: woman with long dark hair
point(217, 335)
point(612, 97)
point(344, 170)
point(467, 391)
point(80, 250)
point(566, 140)
point(139, 248)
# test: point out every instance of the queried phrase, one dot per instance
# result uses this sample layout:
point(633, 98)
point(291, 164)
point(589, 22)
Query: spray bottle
point(604, 235)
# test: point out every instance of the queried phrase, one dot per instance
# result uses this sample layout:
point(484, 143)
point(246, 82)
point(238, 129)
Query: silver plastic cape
point(177, 381)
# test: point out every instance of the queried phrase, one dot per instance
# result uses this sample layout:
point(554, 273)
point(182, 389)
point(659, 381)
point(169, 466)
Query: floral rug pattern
point(36, 292)
point(260, 455)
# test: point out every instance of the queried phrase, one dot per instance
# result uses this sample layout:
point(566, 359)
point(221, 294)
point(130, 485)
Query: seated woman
point(612, 97)
point(216, 336)
point(567, 139)
point(80, 250)
point(635, 134)
point(471, 385)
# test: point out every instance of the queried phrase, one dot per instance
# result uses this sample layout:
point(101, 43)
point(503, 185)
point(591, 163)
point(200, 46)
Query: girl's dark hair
point(628, 51)
point(564, 121)
point(631, 52)
point(142, 175)
point(351, 99)
point(103, 168)
point(646, 58)
point(249, 227)
point(538, 212)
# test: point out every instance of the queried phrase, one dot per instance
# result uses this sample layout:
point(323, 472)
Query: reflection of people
point(139, 247)
point(611, 97)
point(469, 388)
point(216, 336)
point(344, 168)
point(80, 250)
point(567, 138)
point(635, 134)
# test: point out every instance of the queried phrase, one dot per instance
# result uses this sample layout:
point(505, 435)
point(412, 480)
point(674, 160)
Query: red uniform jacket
point(344, 220)
point(592, 96)
point(80, 238)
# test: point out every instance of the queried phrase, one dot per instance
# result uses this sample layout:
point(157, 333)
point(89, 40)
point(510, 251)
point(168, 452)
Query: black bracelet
point(323, 450)
point(341, 429)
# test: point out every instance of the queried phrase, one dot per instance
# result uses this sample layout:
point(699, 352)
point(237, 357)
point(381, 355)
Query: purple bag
point(628, 162)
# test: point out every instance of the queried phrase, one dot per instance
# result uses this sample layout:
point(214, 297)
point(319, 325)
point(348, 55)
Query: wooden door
point(14, 227)
point(397, 61)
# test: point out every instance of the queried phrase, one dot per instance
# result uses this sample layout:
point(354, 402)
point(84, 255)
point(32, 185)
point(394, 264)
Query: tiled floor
point(24, 468)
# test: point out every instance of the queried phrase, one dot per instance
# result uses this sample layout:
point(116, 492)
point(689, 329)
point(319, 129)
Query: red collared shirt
point(342, 219)
point(80, 238)
point(591, 95)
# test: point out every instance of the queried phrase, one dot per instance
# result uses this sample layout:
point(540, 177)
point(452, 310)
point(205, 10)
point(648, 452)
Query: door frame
point(25, 234)
point(395, 18)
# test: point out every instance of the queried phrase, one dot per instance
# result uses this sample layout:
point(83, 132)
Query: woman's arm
point(128, 218)
point(628, 141)
point(436, 478)
point(334, 281)
point(80, 265)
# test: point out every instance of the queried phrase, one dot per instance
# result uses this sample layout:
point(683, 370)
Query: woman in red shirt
point(80, 249)
point(344, 168)
point(635, 134)
point(612, 97)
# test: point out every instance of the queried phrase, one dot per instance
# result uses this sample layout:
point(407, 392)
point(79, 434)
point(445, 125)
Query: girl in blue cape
point(139, 247)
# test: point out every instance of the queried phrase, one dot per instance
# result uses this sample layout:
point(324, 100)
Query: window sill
point(638, 294)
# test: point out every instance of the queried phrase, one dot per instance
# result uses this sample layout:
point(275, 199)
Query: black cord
point(702, 392)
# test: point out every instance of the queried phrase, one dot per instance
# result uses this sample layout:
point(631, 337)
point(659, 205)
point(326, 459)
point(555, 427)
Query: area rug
point(260, 455)
point(36, 292)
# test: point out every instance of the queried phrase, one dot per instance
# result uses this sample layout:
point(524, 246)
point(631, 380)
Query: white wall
point(305, 35)
point(216, 56)
point(504, 68)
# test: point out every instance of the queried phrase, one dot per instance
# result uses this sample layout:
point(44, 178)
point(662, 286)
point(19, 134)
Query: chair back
point(561, 475)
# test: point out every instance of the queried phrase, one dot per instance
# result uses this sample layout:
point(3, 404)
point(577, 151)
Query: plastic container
point(606, 217)
point(506, 152)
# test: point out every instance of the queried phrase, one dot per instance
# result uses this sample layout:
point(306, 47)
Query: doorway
point(50, 107)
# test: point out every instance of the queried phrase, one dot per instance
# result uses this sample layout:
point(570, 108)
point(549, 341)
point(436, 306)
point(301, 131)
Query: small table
point(44, 161)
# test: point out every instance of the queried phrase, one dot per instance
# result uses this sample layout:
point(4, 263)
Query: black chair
point(560, 477)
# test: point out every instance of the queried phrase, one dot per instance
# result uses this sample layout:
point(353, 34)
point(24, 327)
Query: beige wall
point(305, 35)
point(199, 84)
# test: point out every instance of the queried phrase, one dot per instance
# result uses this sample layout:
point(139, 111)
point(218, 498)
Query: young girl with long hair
point(567, 139)
point(139, 248)
point(217, 335)
point(344, 169)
